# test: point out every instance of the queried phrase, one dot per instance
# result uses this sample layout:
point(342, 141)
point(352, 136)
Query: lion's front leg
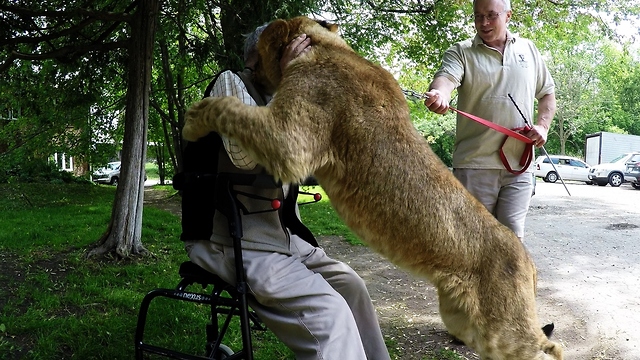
point(208, 115)
point(269, 142)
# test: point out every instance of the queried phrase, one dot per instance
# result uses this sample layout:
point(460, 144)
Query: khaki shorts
point(505, 195)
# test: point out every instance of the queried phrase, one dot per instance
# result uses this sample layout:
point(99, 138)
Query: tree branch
point(70, 51)
point(46, 37)
point(421, 9)
point(163, 115)
point(92, 14)
point(90, 17)
point(8, 62)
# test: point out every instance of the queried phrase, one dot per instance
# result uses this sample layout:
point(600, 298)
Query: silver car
point(109, 174)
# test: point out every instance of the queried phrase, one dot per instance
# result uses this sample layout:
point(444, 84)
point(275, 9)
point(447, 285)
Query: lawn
point(56, 304)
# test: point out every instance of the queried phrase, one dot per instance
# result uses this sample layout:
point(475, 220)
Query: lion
point(345, 120)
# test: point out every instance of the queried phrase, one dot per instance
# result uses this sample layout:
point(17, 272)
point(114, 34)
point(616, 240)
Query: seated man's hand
point(297, 46)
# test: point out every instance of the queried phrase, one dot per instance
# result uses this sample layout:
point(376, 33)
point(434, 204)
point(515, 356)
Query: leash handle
point(542, 147)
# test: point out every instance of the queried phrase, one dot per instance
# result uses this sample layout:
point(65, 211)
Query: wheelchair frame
point(237, 304)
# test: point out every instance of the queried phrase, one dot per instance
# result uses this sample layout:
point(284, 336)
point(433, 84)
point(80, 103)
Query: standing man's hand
point(298, 46)
point(439, 94)
point(436, 101)
point(538, 134)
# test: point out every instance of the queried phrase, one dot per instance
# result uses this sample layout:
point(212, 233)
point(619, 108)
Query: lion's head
point(278, 34)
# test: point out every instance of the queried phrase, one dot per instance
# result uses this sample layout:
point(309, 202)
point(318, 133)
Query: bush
point(35, 171)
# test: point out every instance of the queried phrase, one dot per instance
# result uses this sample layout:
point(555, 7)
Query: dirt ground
point(588, 277)
point(586, 250)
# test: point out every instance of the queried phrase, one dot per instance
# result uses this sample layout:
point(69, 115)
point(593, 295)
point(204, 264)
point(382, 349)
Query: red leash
point(527, 154)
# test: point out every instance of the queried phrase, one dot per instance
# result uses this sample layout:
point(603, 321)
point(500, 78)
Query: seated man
point(319, 307)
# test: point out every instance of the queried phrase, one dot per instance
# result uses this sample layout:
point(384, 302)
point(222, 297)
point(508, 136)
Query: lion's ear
point(270, 47)
point(275, 35)
point(328, 26)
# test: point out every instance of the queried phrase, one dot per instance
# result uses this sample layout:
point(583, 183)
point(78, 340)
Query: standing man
point(319, 307)
point(487, 70)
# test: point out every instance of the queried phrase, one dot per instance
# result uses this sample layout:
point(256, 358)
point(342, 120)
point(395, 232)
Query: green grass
point(322, 219)
point(151, 170)
point(56, 304)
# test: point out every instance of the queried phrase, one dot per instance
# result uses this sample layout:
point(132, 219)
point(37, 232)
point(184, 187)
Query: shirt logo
point(522, 61)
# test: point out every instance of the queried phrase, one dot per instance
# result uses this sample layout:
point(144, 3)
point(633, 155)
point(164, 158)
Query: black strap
point(196, 182)
point(291, 220)
point(246, 75)
point(195, 185)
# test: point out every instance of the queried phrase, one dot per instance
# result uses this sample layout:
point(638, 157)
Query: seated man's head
point(251, 55)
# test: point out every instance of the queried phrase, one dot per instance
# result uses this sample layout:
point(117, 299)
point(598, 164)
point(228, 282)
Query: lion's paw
point(191, 132)
point(196, 124)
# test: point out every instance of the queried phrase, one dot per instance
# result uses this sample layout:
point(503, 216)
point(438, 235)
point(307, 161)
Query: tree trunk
point(123, 235)
point(561, 135)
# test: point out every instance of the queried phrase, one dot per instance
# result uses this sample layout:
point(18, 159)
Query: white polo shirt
point(485, 78)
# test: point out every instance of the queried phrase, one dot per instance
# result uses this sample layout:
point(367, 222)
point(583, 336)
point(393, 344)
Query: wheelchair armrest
point(183, 180)
point(197, 274)
point(263, 181)
point(187, 179)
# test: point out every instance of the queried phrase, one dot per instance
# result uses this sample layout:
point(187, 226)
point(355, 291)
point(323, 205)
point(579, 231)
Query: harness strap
point(527, 154)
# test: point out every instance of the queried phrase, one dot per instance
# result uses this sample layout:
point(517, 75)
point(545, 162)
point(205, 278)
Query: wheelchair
point(226, 301)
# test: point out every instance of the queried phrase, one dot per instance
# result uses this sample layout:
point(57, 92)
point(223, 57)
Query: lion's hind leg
point(458, 311)
point(552, 350)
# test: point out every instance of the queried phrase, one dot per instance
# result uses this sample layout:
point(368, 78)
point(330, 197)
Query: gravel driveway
point(588, 257)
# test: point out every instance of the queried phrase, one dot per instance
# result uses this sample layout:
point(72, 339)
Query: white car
point(569, 168)
point(611, 173)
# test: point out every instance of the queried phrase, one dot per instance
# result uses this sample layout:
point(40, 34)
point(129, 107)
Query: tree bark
point(123, 235)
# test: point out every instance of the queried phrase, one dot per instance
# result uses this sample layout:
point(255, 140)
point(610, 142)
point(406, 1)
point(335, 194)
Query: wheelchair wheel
point(223, 352)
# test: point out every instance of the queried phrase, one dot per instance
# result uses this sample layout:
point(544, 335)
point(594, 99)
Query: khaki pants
point(317, 306)
point(505, 195)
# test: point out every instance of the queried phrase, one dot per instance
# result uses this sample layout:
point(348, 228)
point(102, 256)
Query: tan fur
point(345, 120)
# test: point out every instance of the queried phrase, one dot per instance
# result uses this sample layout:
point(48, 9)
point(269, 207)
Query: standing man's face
point(491, 20)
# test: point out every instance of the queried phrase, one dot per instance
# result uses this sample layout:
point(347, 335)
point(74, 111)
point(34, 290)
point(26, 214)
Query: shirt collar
point(511, 38)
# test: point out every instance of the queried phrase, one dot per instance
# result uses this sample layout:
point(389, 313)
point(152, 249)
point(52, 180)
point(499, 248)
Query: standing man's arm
point(546, 111)
point(439, 94)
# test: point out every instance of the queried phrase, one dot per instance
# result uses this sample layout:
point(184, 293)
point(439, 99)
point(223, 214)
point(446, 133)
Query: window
point(634, 158)
point(63, 161)
point(619, 158)
point(577, 163)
